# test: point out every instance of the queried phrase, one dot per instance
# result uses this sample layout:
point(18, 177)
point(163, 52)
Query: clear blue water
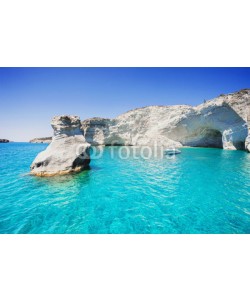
point(200, 191)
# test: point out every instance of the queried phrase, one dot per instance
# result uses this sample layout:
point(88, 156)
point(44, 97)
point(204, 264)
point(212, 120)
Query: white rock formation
point(221, 122)
point(247, 143)
point(68, 151)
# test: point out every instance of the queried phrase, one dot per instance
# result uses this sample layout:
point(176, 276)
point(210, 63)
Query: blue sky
point(30, 97)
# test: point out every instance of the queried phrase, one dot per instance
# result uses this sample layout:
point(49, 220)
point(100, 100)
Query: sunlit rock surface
point(220, 122)
point(247, 144)
point(68, 151)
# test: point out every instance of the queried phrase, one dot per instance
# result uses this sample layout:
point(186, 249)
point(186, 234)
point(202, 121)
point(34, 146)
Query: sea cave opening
point(207, 137)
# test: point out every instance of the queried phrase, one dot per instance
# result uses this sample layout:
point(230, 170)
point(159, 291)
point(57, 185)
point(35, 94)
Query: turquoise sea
point(202, 190)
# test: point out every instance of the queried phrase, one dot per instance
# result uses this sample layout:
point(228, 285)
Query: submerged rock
point(220, 122)
point(68, 151)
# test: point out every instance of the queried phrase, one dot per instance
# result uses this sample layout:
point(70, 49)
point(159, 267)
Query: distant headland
point(43, 140)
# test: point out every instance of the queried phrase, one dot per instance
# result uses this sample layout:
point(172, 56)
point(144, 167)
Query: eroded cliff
point(221, 122)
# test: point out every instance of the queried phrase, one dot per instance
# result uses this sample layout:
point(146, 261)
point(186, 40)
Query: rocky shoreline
point(223, 122)
point(4, 141)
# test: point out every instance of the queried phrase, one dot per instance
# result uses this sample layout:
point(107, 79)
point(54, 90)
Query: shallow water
point(199, 191)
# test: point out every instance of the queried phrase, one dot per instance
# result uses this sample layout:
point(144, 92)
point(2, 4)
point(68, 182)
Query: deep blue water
point(199, 191)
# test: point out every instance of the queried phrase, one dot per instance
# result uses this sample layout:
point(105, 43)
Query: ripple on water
point(200, 191)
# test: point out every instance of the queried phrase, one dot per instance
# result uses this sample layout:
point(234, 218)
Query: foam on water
point(200, 191)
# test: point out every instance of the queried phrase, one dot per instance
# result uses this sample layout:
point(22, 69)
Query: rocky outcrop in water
point(4, 141)
point(44, 140)
point(67, 153)
point(220, 122)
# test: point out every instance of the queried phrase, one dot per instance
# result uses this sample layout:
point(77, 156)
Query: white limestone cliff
point(68, 151)
point(247, 143)
point(220, 122)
